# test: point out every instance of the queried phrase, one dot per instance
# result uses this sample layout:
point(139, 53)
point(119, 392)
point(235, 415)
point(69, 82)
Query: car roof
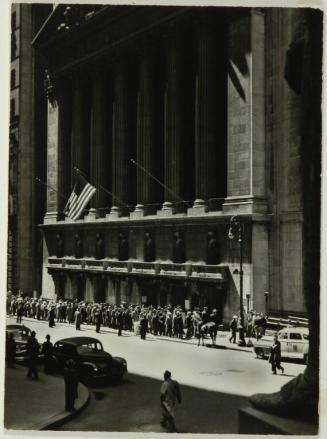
point(15, 327)
point(301, 329)
point(76, 341)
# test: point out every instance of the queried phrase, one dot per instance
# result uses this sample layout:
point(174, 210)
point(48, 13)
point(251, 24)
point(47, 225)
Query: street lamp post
point(236, 225)
point(248, 303)
point(266, 293)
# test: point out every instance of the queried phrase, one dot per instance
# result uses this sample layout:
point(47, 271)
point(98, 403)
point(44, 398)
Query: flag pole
point(158, 181)
point(78, 171)
point(50, 187)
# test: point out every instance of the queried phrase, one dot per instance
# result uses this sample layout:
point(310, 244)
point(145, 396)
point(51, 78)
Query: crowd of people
point(171, 321)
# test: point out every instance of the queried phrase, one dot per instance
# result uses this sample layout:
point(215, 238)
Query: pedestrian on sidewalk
point(78, 319)
point(275, 356)
point(97, 320)
point(143, 326)
point(47, 351)
point(52, 317)
point(71, 385)
point(10, 349)
point(19, 312)
point(119, 321)
point(233, 328)
point(33, 349)
point(169, 392)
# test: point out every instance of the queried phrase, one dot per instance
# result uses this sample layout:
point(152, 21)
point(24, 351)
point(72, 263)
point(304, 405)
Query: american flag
point(82, 193)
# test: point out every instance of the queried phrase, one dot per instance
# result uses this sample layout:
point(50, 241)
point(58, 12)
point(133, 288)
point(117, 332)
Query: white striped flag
point(82, 193)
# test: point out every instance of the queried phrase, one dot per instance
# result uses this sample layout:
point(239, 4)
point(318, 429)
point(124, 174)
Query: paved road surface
point(215, 382)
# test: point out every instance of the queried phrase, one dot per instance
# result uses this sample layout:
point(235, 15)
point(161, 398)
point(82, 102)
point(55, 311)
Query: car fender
point(89, 364)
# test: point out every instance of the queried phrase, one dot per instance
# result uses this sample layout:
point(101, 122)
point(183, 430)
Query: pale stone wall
point(283, 174)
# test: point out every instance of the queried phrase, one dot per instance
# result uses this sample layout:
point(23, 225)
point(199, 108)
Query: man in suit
point(169, 393)
point(233, 328)
point(275, 356)
point(32, 348)
point(47, 351)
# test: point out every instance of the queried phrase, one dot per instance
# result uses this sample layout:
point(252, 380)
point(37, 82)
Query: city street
point(215, 382)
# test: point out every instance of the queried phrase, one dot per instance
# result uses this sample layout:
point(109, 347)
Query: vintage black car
point(93, 364)
point(21, 334)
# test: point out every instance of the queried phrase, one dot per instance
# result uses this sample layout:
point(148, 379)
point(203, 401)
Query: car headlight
point(94, 366)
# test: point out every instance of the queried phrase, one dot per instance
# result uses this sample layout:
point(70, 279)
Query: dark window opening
point(12, 108)
point(13, 79)
point(13, 21)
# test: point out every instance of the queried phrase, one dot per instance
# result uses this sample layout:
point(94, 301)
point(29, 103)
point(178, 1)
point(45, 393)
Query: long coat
point(275, 353)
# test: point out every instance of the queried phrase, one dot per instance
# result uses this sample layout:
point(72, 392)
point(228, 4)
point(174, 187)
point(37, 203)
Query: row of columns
point(97, 123)
point(92, 288)
point(221, 140)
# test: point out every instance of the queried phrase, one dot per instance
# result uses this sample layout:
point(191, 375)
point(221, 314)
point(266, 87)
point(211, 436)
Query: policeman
point(71, 385)
point(32, 348)
point(47, 351)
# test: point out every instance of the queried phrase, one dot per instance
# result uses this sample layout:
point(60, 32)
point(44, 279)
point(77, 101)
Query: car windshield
point(88, 348)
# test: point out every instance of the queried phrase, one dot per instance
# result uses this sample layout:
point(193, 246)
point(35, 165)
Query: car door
point(295, 345)
point(63, 353)
point(283, 339)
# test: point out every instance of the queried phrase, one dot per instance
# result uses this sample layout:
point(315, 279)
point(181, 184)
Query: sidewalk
point(37, 405)
point(222, 341)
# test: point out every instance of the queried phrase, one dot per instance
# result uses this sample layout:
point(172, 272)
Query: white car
point(294, 343)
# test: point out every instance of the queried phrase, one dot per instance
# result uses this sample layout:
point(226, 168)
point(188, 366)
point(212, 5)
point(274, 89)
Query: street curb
point(62, 417)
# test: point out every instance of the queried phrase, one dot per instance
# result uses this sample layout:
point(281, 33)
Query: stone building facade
point(27, 150)
point(197, 97)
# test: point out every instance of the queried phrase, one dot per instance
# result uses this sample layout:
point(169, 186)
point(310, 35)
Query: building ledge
point(189, 271)
point(177, 218)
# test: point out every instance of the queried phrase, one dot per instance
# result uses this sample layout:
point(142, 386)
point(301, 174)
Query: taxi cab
point(294, 343)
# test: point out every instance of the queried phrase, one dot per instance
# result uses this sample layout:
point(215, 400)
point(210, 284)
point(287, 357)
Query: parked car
point(294, 343)
point(21, 335)
point(92, 362)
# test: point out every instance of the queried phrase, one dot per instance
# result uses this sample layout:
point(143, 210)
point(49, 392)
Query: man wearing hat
point(52, 316)
point(169, 392)
point(233, 328)
point(71, 385)
point(47, 351)
point(32, 348)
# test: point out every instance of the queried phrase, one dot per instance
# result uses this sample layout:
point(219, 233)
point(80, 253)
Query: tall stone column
point(246, 187)
point(100, 151)
point(81, 126)
point(64, 140)
point(89, 289)
point(204, 120)
point(173, 125)
point(120, 152)
point(145, 132)
point(58, 157)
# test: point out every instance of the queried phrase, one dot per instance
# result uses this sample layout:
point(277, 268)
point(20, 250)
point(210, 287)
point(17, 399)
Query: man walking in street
point(275, 356)
point(169, 392)
point(233, 328)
